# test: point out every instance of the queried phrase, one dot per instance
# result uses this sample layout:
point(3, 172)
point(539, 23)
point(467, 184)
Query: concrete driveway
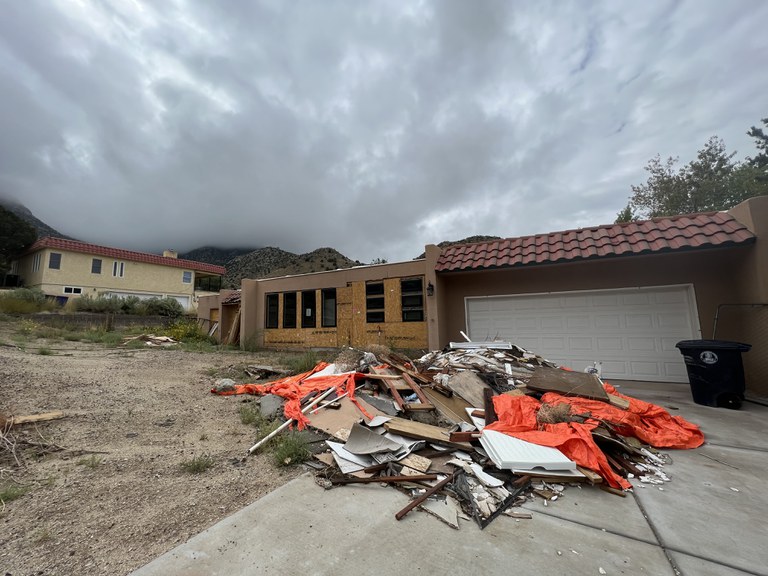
point(710, 520)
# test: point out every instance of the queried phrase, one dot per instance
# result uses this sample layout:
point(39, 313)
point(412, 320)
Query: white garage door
point(633, 332)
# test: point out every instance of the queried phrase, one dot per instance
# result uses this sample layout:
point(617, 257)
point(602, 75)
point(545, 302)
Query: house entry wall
point(633, 332)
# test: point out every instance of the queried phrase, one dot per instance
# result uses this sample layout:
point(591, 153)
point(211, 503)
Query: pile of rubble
point(476, 429)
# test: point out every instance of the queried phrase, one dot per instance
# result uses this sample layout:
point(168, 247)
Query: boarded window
point(412, 299)
point(273, 307)
point(328, 297)
point(96, 266)
point(308, 312)
point(289, 310)
point(54, 261)
point(374, 302)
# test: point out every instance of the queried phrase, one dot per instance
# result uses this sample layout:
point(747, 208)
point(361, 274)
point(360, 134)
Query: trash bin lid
point(713, 345)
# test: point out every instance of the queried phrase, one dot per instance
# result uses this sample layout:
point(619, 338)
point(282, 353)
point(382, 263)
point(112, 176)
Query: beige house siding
point(74, 277)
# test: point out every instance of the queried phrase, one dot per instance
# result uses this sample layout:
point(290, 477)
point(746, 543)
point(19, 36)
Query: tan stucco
point(138, 278)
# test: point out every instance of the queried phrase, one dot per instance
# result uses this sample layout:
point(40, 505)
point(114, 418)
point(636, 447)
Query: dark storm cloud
point(371, 127)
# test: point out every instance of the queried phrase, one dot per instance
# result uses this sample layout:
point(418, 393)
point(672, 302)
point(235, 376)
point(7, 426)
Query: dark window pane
point(96, 266)
point(377, 316)
point(273, 305)
point(375, 303)
point(329, 308)
point(411, 285)
point(54, 261)
point(308, 303)
point(413, 315)
point(374, 289)
point(412, 299)
point(289, 310)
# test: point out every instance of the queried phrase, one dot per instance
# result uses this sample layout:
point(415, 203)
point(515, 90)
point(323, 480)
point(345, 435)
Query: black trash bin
point(715, 371)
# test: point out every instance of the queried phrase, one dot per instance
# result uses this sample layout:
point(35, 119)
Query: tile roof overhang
point(660, 235)
point(119, 254)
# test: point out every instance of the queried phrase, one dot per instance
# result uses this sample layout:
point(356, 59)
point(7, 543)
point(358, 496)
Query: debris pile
point(151, 340)
point(474, 430)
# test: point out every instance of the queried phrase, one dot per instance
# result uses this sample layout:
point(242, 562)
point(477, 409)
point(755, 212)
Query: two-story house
point(66, 269)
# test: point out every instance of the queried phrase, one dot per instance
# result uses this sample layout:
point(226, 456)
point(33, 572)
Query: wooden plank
point(404, 384)
point(452, 409)
point(618, 401)
point(233, 336)
point(469, 386)
point(420, 431)
point(17, 420)
point(434, 490)
point(567, 383)
point(416, 388)
point(386, 479)
point(592, 477)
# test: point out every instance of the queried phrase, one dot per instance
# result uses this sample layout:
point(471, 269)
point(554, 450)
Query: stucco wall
point(75, 271)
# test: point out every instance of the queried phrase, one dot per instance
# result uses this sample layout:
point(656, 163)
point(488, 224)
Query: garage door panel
point(633, 333)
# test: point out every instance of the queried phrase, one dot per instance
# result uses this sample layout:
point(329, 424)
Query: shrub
point(167, 306)
point(303, 363)
point(25, 301)
point(11, 492)
point(186, 330)
point(100, 304)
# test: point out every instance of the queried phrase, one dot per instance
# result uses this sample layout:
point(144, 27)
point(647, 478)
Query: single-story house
point(620, 294)
point(70, 269)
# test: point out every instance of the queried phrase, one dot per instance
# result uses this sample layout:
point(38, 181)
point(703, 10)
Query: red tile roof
point(686, 232)
point(119, 254)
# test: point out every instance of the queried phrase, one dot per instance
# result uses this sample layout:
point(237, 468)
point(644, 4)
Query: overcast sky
point(371, 127)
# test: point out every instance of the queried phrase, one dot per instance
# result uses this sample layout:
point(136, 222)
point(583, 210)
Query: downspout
point(719, 306)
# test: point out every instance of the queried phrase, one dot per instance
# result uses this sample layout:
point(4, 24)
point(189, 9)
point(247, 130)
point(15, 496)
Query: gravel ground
point(114, 496)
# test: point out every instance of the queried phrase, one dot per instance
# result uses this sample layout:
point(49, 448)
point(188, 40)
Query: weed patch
point(197, 465)
point(290, 449)
point(92, 462)
point(12, 492)
point(45, 352)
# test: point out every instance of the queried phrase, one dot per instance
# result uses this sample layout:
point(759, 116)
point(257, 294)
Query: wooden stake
point(434, 490)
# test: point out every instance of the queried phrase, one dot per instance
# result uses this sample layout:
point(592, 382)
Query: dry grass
point(554, 413)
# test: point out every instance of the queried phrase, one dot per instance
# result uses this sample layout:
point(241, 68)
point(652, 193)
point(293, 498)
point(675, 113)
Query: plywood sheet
point(567, 383)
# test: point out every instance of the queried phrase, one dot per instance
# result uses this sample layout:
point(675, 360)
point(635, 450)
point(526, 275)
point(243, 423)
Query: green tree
point(761, 143)
point(15, 236)
point(713, 181)
point(626, 215)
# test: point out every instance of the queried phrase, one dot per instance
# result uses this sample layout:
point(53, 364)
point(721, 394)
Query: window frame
point(412, 312)
point(36, 261)
point(290, 302)
point(272, 304)
point(118, 269)
point(54, 256)
point(375, 302)
point(73, 290)
point(309, 308)
point(328, 295)
point(96, 269)
point(184, 276)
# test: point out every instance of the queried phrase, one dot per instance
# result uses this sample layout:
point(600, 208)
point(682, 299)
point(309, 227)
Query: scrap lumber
point(567, 383)
point(469, 386)
point(421, 431)
point(618, 401)
point(434, 490)
point(400, 384)
point(233, 336)
point(452, 409)
point(385, 479)
point(18, 420)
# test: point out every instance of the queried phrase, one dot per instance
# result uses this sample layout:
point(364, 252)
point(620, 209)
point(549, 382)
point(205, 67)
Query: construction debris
point(474, 430)
point(151, 340)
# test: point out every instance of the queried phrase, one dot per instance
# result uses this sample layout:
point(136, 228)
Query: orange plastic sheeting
point(517, 417)
point(645, 421)
point(294, 388)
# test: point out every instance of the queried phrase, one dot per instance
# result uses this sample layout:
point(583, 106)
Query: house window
point(308, 317)
point(72, 290)
point(96, 266)
point(289, 310)
point(186, 277)
point(36, 263)
point(412, 299)
point(374, 302)
point(273, 308)
point(118, 269)
point(208, 283)
point(54, 261)
point(328, 303)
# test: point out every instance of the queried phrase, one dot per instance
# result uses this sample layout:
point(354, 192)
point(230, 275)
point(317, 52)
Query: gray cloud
point(371, 127)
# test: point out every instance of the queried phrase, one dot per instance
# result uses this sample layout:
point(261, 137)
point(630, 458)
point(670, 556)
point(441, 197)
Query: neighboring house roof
point(233, 298)
point(119, 254)
point(668, 234)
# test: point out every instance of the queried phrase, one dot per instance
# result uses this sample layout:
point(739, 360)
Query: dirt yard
point(115, 495)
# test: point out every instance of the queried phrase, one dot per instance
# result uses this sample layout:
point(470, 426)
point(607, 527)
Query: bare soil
point(115, 496)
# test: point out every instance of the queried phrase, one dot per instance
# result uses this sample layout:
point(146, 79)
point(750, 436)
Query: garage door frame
point(687, 287)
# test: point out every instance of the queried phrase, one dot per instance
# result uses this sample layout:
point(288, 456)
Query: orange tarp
point(294, 388)
point(647, 422)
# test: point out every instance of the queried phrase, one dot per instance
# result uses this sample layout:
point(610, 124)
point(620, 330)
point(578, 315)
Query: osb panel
point(748, 325)
point(351, 326)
